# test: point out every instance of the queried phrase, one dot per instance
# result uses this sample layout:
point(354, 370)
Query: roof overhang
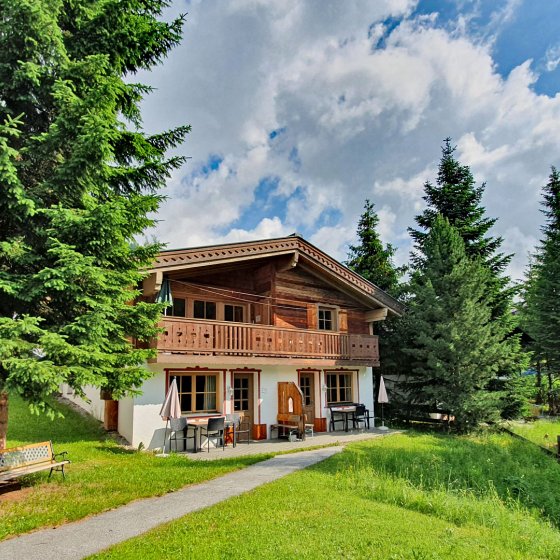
point(302, 254)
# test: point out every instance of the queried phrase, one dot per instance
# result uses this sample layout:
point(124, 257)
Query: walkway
point(283, 445)
point(77, 540)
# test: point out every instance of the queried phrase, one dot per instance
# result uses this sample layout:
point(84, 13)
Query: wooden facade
point(277, 299)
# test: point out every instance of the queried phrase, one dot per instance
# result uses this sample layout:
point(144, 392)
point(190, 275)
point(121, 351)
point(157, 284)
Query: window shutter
point(312, 316)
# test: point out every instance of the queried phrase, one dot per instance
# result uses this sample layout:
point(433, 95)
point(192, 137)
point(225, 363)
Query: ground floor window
point(197, 391)
point(339, 387)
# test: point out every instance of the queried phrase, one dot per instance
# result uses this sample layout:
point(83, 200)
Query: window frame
point(194, 392)
point(333, 320)
point(338, 386)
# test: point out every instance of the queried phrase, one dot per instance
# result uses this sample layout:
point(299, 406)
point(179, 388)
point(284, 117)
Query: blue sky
point(302, 109)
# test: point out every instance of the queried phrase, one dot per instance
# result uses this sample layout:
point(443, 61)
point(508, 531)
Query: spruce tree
point(79, 179)
point(370, 258)
point(541, 309)
point(455, 347)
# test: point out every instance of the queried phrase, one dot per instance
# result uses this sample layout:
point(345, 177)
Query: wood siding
point(198, 337)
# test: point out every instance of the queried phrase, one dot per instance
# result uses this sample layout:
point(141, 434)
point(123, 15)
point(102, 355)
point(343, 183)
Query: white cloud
point(357, 122)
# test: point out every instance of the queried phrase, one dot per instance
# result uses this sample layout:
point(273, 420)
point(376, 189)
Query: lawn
point(541, 432)
point(411, 496)
point(103, 475)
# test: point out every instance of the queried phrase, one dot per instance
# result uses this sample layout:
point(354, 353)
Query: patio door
point(243, 395)
point(307, 386)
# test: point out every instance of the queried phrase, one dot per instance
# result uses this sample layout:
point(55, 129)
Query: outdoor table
point(199, 422)
point(345, 411)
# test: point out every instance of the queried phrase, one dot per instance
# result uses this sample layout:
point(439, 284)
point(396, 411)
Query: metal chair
point(180, 432)
point(361, 416)
point(215, 430)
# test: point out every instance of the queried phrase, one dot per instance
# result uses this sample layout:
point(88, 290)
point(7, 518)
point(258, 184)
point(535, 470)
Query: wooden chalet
point(248, 318)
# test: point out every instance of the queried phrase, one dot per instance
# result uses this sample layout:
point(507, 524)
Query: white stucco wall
point(94, 405)
point(148, 427)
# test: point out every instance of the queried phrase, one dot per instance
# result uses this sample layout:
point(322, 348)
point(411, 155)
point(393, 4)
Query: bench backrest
point(25, 455)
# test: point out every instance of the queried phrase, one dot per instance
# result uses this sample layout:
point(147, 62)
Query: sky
point(303, 109)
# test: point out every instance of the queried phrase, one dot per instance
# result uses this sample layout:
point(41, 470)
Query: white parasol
point(382, 399)
point(171, 407)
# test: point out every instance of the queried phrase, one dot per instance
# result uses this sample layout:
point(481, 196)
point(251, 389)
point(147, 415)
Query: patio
point(283, 445)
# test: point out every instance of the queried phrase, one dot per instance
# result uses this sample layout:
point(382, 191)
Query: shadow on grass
point(496, 464)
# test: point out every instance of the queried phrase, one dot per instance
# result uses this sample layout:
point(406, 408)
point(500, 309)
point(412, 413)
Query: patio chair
point(180, 432)
point(243, 426)
point(215, 430)
point(361, 416)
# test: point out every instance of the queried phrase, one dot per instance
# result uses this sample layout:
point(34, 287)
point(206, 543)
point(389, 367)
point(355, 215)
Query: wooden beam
point(152, 284)
point(376, 315)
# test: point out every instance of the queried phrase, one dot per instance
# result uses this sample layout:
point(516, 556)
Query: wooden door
point(243, 395)
point(307, 386)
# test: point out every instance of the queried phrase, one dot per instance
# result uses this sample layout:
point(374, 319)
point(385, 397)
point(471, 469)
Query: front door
point(243, 395)
point(307, 386)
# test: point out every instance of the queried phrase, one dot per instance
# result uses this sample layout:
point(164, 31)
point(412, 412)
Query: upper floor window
point(233, 313)
point(327, 319)
point(178, 309)
point(204, 310)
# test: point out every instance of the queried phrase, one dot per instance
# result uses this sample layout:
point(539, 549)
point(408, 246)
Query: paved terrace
point(283, 445)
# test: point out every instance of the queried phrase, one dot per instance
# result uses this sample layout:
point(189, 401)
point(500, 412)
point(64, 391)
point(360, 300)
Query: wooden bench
point(290, 424)
point(428, 415)
point(27, 459)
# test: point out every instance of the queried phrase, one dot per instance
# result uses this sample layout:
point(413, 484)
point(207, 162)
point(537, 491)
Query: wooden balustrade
point(198, 337)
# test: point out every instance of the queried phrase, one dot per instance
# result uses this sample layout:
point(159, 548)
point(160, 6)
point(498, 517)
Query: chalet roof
point(301, 251)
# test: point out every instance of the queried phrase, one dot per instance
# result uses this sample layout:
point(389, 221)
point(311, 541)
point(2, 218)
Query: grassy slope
point(403, 497)
point(542, 432)
point(102, 475)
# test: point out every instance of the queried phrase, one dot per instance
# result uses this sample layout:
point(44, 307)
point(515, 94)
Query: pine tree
point(370, 258)
point(541, 309)
point(79, 179)
point(456, 197)
point(455, 347)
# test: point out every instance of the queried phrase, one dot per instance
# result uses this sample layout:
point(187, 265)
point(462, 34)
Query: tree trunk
point(3, 418)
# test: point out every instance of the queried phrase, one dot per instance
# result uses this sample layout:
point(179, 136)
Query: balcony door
point(243, 395)
point(307, 386)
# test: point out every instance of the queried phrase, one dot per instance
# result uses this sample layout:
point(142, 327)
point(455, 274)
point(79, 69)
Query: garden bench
point(289, 424)
point(428, 414)
point(27, 459)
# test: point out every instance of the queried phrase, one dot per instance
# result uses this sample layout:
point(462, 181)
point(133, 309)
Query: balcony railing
point(195, 336)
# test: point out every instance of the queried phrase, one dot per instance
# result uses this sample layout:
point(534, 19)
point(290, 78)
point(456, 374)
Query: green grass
point(541, 432)
point(410, 496)
point(103, 475)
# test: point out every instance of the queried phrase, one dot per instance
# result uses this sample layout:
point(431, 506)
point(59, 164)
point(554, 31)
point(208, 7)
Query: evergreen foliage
point(370, 258)
point(455, 347)
point(79, 179)
point(541, 309)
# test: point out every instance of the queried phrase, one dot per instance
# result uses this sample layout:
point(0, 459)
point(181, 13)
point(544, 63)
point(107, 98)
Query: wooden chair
point(243, 426)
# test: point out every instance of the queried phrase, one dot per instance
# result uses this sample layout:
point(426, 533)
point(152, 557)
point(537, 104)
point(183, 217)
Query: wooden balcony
point(214, 338)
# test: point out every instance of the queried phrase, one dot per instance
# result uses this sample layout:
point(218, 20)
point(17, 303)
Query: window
point(327, 319)
point(197, 392)
point(339, 387)
point(204, 310)
point(177, 309)
point(233, 313)
point(305, 386)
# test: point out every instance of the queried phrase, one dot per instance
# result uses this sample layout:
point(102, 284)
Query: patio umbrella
point(171, 407)
point(165, 295)
point(382, 399)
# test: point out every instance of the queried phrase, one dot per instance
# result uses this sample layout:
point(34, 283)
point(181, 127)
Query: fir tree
point(541, 310)
point(79, 178)
point(456, 197)
point(455, 347)
point(370, 258)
